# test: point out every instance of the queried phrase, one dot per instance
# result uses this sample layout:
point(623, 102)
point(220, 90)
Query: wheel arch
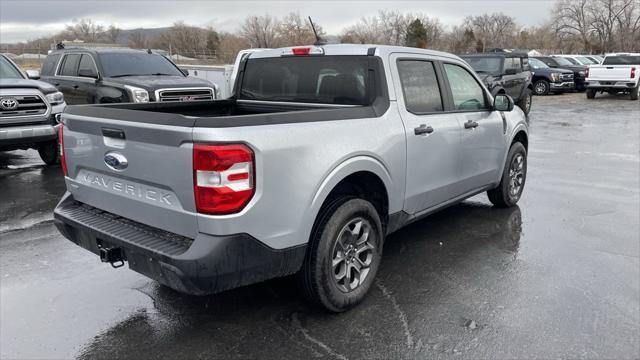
point(361, 176)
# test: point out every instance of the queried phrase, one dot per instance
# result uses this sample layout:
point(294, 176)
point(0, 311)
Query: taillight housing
point(223, 177)
point(586, 73)
point(633, 72)
point(63, 161)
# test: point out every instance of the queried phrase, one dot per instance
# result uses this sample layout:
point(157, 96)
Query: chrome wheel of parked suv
point(344, 254)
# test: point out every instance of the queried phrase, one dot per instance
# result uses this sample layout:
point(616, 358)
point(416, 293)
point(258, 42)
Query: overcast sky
point(22, 20)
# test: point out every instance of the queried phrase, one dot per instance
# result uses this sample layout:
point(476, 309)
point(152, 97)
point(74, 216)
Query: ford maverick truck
point(321, 152)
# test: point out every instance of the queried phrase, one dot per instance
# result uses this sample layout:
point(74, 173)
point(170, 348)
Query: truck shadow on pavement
point(435, 274)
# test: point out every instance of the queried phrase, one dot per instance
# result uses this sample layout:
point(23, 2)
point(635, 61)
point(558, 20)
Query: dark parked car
point(547, 79)
point(505, 73)
point(579, 71)
point(92, 76)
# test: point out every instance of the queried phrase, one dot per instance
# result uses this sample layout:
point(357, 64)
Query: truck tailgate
point(610, 72)
point(156, 185)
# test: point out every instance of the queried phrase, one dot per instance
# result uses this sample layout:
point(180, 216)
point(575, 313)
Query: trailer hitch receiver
point(112, 255)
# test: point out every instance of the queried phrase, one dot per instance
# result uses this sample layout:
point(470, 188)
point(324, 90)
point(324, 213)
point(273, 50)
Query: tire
point(525, 101)
point(326, 284)
point(541, 87)
point(635, 94)
point(49, 152)
point(591, 93)
point(513, 179)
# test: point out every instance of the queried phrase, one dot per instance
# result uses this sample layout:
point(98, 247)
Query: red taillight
point(301, 51)
point(223, 177)
point(633, 72)
point(63, 162)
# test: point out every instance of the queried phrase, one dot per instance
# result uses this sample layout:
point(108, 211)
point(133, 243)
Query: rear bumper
point(612, 84)
point(205, 265)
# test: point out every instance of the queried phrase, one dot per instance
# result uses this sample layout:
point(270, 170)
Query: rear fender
point(340, 172)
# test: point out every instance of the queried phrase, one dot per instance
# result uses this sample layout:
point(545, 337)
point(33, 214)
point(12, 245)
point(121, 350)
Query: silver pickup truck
point(28, 112)
point(321, 153)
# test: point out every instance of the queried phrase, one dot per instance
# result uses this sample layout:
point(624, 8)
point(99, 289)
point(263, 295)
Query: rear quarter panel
point(298, 164)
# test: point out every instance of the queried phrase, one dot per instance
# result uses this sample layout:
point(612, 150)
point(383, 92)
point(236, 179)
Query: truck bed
point(226, 113)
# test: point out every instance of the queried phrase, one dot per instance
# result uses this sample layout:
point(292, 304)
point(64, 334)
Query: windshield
point(537, 64)
point(562, 61)
point(621, 60)
point(8, 71)
point(134, 63)
point(490, 65)
point(312, 79)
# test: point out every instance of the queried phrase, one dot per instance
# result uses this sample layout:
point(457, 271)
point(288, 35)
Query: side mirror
point(33, 74)
point(510, 71)
point(503, 102)
point(88, 73)
point(184, 71)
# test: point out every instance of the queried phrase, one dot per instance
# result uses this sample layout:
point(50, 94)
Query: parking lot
point(556, 276)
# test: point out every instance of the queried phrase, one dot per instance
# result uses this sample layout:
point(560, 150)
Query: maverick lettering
point(128, 189)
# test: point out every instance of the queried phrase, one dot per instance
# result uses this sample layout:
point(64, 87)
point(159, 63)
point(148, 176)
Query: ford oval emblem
point(115, 161)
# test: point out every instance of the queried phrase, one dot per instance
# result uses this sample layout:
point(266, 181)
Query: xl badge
point(115, 161)
point(8, 103)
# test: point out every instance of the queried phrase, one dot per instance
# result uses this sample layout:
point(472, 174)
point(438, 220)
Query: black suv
point(108, 75)
point(505, 73)
point(579, 71)
point(550, 80)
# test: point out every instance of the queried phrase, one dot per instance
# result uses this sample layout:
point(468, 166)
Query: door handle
point(423, 129)
point(471, 124)
point(75, 86)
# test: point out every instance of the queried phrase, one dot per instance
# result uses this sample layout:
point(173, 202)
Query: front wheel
point(541, 87)
point(514, 176)
point(49, 152)
point(344, 254)
point(525, 101)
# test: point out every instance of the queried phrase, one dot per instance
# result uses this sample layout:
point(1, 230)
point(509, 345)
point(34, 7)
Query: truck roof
point(355, 49)
point(97, 50)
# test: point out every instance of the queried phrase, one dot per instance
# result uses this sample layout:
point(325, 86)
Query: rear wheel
point(591, 93)
point(525, 101)
point(49, 152)
point(541, 87)
point(635, 93)
point(344, 254)
point(514, 176)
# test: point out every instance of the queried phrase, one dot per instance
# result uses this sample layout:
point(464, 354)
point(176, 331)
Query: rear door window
point(467, 93)
point(420, 86)
point(86, 63)
point(70, 65)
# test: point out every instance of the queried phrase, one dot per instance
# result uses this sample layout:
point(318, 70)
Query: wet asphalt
point(558, 276)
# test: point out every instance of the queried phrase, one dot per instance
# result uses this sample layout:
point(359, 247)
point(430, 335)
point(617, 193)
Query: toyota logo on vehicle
point(8, 103)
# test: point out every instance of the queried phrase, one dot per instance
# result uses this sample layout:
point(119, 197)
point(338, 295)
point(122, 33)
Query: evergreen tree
point(416, 35)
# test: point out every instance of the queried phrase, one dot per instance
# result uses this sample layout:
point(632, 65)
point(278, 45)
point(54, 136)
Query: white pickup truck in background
point(618, 73)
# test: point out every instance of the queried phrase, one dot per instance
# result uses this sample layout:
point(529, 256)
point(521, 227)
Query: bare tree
point(230, 45)
point(137, 39)
point(261, 31)
point(493, 30)
point(85, 30)
point(459, 40)
point(113, 33)
point(295, 30)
